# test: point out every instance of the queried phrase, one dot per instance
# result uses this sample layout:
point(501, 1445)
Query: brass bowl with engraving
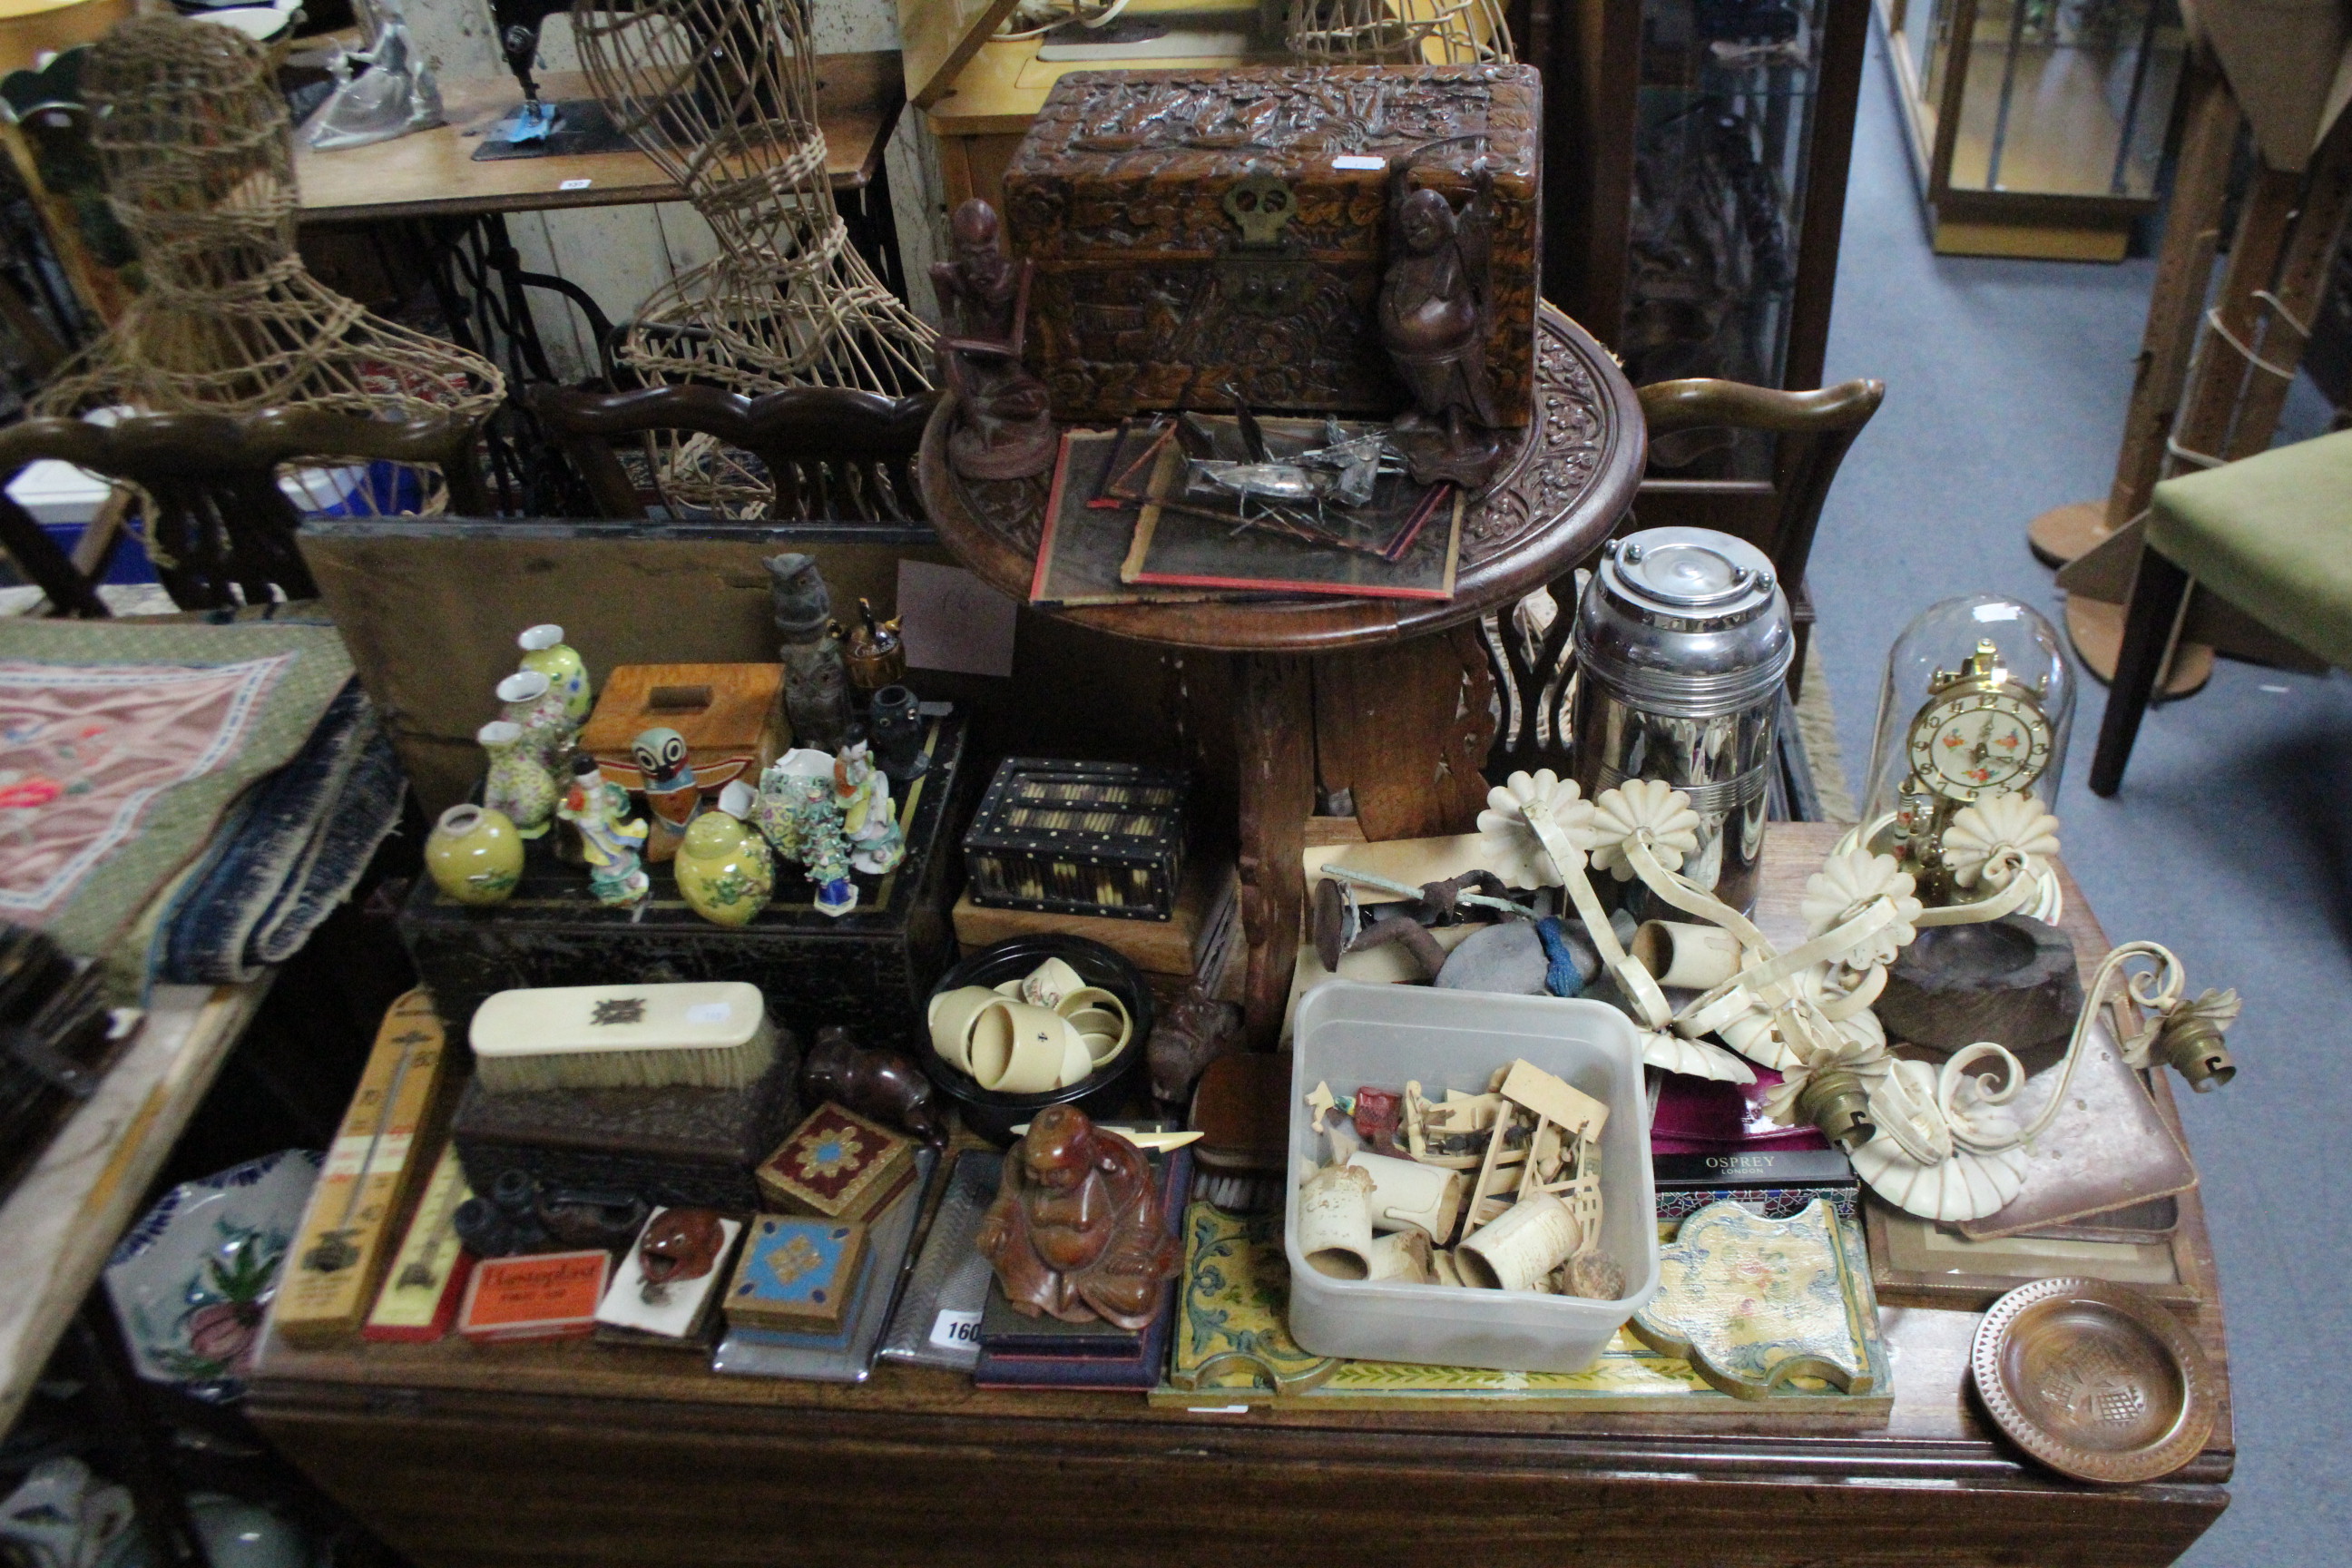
point(2095, 1380)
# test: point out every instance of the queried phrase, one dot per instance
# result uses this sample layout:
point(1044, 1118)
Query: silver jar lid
point(1684, 620)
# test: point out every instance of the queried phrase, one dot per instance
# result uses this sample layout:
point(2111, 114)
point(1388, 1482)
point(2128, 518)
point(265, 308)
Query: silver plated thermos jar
point(1683, 641)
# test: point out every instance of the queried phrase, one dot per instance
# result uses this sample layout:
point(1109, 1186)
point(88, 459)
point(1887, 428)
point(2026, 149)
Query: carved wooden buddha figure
point(1075, 1232)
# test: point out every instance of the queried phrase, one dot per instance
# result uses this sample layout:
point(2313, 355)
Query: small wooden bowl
point(2095, 1380)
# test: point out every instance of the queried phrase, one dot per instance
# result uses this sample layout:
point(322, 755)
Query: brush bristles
point(657, 1067)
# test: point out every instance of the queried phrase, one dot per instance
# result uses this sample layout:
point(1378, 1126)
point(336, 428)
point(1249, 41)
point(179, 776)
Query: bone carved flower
point(1844, 886)
point(1620, 813)
point(1979, 832)
point(1508, 837)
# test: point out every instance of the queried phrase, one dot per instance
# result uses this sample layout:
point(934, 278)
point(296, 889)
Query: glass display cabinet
point(2037, 128)
point(1723, 138)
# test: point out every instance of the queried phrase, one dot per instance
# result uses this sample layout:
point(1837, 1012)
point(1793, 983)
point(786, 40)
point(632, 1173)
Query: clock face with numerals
point(1979, 742)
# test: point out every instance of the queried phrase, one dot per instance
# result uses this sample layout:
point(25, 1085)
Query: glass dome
point(1963, 684)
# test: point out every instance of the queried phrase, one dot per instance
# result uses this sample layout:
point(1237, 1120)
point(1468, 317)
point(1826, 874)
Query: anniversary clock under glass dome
point(1978, 702)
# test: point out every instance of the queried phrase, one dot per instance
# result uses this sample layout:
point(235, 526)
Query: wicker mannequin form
point(721, 96)
point(198, 152)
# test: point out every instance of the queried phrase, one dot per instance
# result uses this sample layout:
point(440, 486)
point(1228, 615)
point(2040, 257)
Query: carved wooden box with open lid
point(1198, 231)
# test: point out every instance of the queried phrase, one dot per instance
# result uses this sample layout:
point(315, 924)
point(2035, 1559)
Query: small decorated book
point(796, 1275)
point(837, 1165)
point(551, 1296)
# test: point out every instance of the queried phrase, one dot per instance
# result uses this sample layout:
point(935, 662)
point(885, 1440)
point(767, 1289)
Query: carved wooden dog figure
point(884, 1084)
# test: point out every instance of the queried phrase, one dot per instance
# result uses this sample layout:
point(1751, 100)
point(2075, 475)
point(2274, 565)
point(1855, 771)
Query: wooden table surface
point(432, 173)
point(577, 1452)
point(59, 1226)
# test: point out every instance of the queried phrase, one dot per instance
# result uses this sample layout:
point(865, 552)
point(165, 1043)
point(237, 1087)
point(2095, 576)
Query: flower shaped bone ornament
point(1534, 827)
point(1621, 813)
point(2001, 847)
point(1844, 887)
point(1991, 840)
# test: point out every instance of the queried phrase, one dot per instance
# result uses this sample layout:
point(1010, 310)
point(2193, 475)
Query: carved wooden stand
point(1359, 695)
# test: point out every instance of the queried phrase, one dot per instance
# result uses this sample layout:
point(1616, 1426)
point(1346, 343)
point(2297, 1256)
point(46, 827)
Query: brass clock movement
point(1981, 733)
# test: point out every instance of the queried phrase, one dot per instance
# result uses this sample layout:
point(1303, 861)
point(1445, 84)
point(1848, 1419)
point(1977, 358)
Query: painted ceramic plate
point(192, 1278)
point(2095, 1380)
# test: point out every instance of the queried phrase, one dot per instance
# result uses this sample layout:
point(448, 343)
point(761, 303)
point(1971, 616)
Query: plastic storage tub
point(1349, 1035)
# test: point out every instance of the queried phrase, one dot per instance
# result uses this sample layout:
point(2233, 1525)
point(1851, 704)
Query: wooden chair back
point(832, 454)
point(1529, 643)
point(221, 530)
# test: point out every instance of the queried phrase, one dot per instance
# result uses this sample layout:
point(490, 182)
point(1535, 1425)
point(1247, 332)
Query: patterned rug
point(122, 745)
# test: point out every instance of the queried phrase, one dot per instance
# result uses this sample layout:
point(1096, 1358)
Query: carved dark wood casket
point(1200, 230)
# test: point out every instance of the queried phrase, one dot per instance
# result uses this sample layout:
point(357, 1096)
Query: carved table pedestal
point(1388, 700)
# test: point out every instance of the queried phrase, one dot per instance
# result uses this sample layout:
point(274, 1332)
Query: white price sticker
point(953, 1331)
point(576, 184)
point(709, 1012)
point(1358, 161)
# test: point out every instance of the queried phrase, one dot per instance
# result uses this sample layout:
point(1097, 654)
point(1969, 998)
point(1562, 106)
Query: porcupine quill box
point(1199, 228)
point(1078, 837)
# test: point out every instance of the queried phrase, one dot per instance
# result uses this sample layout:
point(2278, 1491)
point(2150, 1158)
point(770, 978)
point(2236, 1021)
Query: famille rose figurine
point(610, 838)
point(672, 797)
point(545, 652)
point(877, 844)
point(519, 787)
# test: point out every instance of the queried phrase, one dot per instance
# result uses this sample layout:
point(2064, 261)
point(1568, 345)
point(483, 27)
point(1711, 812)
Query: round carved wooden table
point(1565, 487)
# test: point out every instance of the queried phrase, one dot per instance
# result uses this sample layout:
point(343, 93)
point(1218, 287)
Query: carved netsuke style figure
point(1434, 312)
point(984, 295)
point(816, 681)
point(1075, 1232)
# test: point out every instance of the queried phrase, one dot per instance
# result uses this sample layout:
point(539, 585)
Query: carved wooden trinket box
point(1200, 230)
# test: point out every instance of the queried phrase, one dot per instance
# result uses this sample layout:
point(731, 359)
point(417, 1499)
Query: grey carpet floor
point(2231, 841)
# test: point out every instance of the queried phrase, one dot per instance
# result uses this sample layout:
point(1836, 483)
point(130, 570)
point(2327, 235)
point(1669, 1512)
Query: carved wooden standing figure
point(1434, 312)
point(1075, 1232)
point(1006, 433)
point(816, 682)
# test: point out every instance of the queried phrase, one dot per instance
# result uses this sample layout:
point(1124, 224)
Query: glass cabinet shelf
point(2036, 127)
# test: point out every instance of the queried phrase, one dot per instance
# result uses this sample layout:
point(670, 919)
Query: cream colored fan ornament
point(2000, 841)
point(722, 95)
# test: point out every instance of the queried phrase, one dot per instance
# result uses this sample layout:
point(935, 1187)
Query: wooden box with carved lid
point(1199, 232)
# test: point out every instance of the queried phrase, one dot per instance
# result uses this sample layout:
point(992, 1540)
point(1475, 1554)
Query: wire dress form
point(722, 96)
point(1398, 32)
point(198, 152)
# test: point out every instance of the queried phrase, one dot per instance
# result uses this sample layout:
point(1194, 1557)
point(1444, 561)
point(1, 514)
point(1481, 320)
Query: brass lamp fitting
point(1838, 1102)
